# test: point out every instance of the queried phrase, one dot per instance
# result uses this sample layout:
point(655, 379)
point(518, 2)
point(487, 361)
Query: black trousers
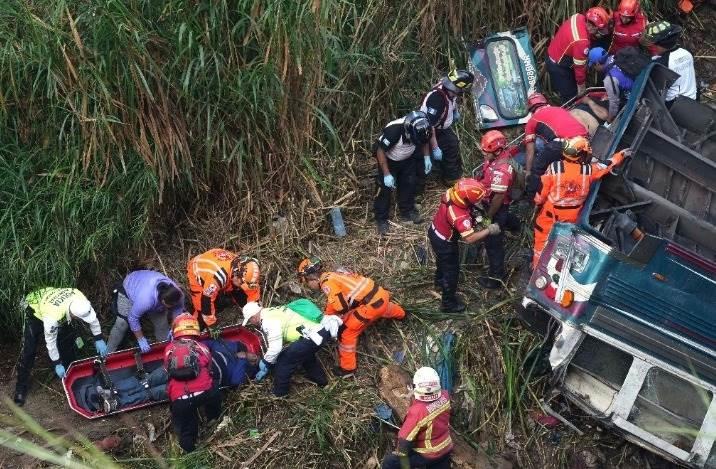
point(405, 176)
point(301, 353)
point(392, 461)
point(447, 265)
point(451, 165)
point(551, 152)
point(561, 77)
point(33, 334)
point(185, 416)
point(495, 244)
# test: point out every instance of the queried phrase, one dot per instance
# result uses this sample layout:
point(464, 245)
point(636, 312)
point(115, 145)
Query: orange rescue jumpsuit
point(209, 277)
point(360, 302)
point(565, 186)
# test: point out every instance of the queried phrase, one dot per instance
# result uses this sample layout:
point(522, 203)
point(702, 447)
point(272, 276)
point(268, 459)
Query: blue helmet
point(597, 55)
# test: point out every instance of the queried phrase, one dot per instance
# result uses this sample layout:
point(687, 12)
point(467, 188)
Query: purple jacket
point(140, 287)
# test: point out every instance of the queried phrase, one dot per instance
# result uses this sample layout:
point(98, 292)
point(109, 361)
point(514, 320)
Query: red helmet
point(466, 192)
point(493, 141)
point(536, 100)
point(628, 8)
point(598, 16)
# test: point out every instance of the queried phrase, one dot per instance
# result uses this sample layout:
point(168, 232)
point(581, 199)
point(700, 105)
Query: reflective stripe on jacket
point(427, 426)
point(346, 290)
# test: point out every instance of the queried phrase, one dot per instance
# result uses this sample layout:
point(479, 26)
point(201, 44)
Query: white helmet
point(426, 384)
point(250, 310)
point(81, 308)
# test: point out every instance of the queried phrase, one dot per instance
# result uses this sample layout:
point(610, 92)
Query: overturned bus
point(632, 285)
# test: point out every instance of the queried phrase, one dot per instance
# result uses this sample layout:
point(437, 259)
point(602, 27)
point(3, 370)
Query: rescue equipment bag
point(183, 362)
point(306, 309)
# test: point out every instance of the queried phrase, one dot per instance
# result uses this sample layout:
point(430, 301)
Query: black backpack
point(631, 61)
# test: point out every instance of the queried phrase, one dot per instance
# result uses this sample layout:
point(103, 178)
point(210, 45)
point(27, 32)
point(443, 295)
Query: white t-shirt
point(682, 62)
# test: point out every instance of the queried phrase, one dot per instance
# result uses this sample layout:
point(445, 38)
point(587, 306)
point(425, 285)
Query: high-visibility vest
point(53, 303)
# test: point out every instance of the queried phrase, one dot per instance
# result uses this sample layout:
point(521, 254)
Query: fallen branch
point(261, 450)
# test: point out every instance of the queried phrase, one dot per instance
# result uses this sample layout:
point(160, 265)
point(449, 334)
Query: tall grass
point(113, 111)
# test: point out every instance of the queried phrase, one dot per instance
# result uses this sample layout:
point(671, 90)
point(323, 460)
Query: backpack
point(306, 309)
point(631, 61)
point(183, 363)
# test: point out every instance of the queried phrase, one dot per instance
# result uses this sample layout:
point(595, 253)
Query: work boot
point(489, 282)
point(383, 227)
point(411, 217)
point(341, 373)
point(454, 306)
point(20, 397)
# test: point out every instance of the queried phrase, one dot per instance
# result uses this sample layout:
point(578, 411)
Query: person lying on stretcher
point(232, 366)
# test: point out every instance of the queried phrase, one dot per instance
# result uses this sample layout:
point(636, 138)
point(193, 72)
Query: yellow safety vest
point(53, 303)
point(289, 321)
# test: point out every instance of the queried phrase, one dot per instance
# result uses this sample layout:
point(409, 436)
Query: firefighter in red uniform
point(452, 221)
point(190, 385)
point(565, 187)
point(567, 52)
point(217, 276)
point(497, 175)
point(629, 24)
point(424, 438)
point(551, 124)
point(358, 300)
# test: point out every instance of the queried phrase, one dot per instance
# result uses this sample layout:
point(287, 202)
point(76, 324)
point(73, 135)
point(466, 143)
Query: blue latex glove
point(428, 164)
point(60, 370)
point(143, 344)
point(263, 371)
point(389, 181)
point(437, 154)
point(101, 347)
point(455, 115)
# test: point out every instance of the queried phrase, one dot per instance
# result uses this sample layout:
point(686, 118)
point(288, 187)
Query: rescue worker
point(144, 293)
point(356, 299)
point(565, 187)
point(50, 311)
point(629, 24)
point(440, 105)
point(497, 175)
point(618, 80)
point(219, 277)
point(661, 39)
point(397, 150)
point(292, 343)
point(190, 385)
point(424, 438)
point(551, 124)
point(452, 221)
point(567, 51)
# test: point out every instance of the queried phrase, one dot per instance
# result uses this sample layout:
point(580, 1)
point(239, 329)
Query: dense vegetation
point(114, 111)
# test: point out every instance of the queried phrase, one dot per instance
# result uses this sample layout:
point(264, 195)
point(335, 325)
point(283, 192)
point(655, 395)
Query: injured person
point(232, 365)
point(99, 396)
